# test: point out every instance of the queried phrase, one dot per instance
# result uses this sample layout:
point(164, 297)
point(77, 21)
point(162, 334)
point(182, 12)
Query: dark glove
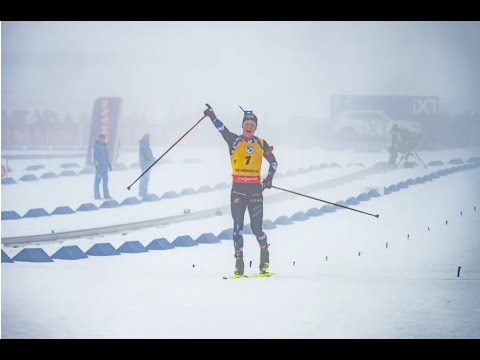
point(267, 183)
point(209, 112)
point(110, 167)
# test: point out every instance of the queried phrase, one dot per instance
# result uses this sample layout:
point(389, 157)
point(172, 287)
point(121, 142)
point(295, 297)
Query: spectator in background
point(146, 159)
point(101, 160)
point(394, 146)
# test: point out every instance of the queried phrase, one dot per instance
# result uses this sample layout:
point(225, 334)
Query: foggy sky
point(279, 69)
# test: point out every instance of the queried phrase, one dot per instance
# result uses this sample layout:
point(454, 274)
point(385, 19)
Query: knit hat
point(249, 115)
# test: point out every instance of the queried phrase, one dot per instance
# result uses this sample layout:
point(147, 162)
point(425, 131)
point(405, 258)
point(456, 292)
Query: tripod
point(405, 156)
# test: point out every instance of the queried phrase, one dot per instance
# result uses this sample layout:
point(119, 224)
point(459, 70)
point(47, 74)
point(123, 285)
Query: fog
point(166, 71)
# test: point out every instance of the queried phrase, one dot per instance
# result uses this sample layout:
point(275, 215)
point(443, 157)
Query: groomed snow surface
point(338, 275)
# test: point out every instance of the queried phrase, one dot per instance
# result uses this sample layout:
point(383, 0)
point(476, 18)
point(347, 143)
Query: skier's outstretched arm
point(227, 134)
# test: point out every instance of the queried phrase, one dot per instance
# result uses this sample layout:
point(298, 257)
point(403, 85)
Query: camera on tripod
point(409, 141)
point(404, 142)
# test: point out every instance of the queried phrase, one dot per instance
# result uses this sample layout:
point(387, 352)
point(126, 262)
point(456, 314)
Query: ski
point(267, 274)
point(225, 277)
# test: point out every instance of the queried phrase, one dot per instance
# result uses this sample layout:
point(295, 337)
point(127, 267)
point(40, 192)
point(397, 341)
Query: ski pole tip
point(128, 187)
point(377, 216)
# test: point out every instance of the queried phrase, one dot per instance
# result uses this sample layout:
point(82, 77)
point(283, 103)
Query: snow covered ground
point(339, 275)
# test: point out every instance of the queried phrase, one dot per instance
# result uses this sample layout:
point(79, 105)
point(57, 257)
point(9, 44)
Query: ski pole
point(328, 202)
point(176, 142)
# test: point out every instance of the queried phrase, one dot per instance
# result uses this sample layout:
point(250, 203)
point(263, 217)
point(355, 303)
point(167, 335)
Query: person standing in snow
point(102, 164)
point(246, 153)
point(146, 159)
point(394, 146)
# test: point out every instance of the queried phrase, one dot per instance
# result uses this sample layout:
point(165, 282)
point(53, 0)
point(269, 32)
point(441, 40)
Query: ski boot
point(264, 258)
point(239, 265)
